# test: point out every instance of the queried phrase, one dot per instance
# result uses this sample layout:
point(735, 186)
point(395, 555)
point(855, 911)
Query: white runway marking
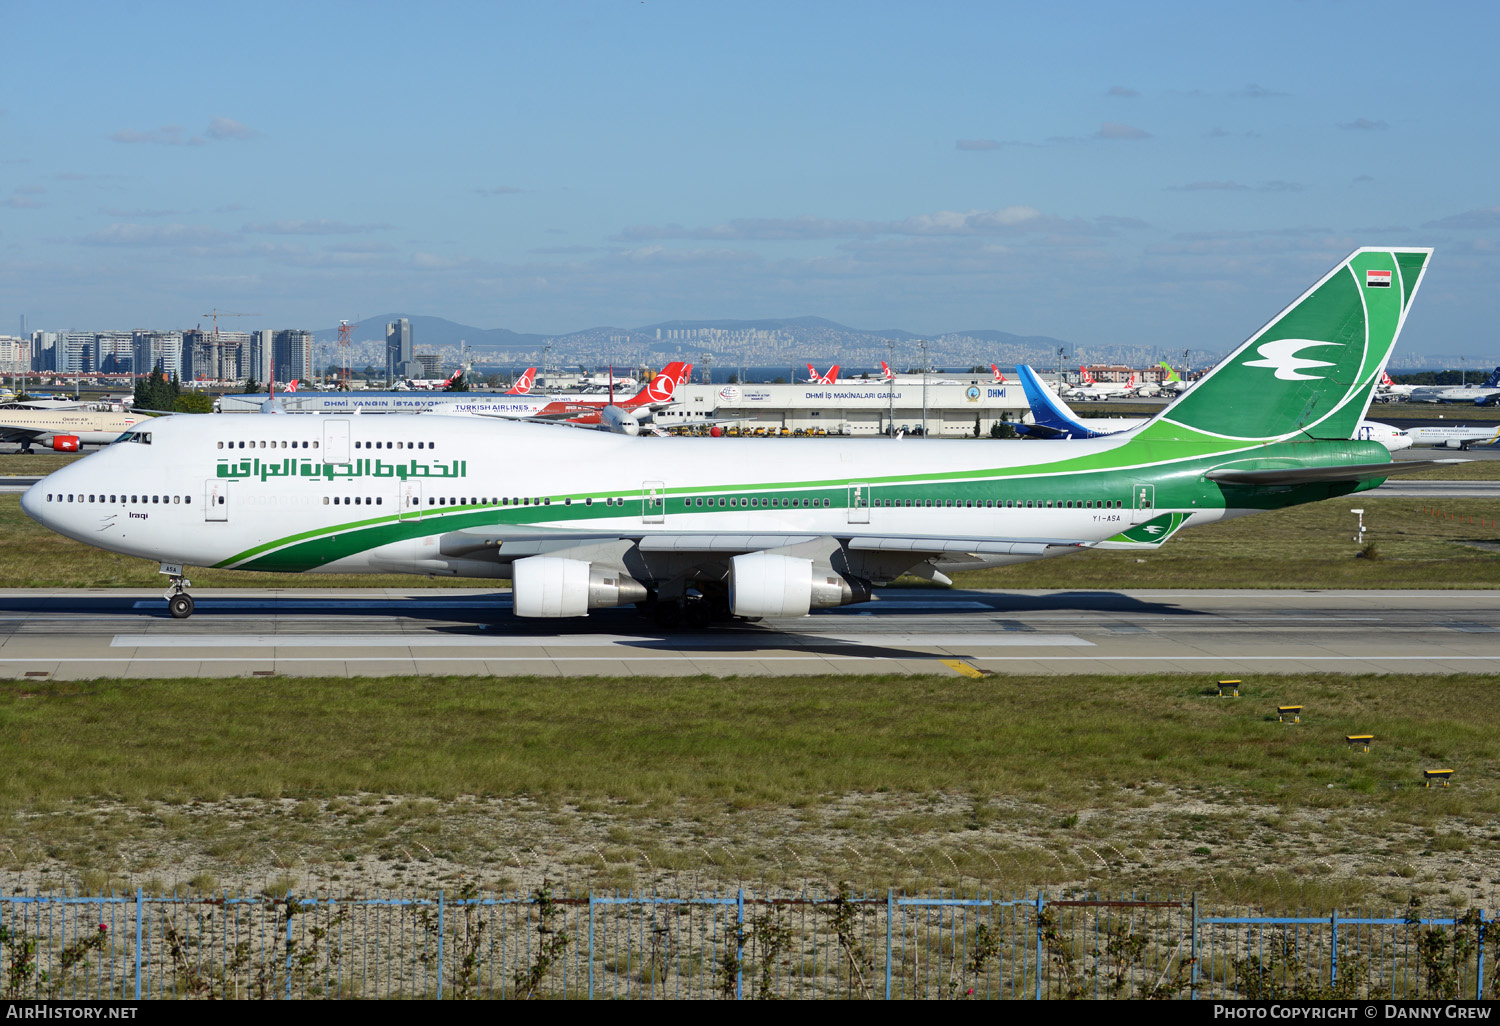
point(692, 641)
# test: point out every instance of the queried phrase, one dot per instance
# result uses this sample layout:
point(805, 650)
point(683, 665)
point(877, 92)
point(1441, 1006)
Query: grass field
point(1304, 547)
point(1114, 783)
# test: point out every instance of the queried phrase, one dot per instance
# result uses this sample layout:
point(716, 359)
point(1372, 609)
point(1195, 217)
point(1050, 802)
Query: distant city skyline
point(1163, 177)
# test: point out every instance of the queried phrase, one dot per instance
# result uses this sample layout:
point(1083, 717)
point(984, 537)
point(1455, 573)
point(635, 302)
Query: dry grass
point(1421, 544)
point(916, 782)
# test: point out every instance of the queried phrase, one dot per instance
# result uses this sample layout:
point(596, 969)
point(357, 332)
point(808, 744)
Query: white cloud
point(227, 128)
point(320, 226)
point(1111, 130)
point(156, 235)
point(167, 135)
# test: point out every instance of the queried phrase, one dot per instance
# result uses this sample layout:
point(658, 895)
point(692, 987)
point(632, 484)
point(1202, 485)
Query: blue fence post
point(1040, 901)
point(1479, 979)
point(139, 902)
point(591, 945)
point(440, 947)
point(1193, 949)
point(739, 946)
point(289, 918)
point(1333, 953)
point(890, 915)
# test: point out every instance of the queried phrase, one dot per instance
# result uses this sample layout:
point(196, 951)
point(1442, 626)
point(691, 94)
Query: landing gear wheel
point(668, 614)
point(700, 613)
point(181, 606)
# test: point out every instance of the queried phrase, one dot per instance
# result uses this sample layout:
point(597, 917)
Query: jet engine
point(767, 585)
point(65, 443)
point(552, 586)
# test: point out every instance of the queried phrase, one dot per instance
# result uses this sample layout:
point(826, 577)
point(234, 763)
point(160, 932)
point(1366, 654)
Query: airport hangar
point(852, 408)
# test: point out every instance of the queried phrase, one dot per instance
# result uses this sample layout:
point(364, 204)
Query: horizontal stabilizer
point(1310, 475)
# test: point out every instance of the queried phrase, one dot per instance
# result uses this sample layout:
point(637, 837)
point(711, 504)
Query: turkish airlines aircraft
point(831, 378)
point(523, 383)
point(708, 528)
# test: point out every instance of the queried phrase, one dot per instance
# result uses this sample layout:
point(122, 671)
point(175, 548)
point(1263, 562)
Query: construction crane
point(216, 313)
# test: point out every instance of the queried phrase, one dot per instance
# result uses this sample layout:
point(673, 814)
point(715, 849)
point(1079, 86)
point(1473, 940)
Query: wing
point(20, 434)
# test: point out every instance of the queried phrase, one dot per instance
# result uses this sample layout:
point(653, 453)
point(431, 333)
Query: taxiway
point(61, 634)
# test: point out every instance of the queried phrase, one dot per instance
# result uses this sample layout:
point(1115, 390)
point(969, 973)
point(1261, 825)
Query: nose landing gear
point(179, 602)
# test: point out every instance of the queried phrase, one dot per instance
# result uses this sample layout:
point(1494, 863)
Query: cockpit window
point(139, 437)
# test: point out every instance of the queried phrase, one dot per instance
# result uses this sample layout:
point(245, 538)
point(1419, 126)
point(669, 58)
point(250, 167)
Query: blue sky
point(1166, 174)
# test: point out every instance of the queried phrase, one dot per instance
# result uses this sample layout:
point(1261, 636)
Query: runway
point(59, 634)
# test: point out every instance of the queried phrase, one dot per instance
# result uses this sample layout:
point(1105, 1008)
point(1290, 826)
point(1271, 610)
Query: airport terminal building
point(856, 407)
point(853, 408)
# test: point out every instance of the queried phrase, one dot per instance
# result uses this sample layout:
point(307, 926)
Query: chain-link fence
point(732, 946)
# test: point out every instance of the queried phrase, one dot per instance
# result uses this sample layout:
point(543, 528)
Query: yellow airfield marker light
point(1360, 741)
point(1442, 776)
point(963, 669)
point(1288, 714)
point(1229, 689)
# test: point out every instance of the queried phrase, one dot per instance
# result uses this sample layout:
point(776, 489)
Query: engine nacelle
point(65, 443)
point(1453, 443)
point(767, 585)
point(552, 586)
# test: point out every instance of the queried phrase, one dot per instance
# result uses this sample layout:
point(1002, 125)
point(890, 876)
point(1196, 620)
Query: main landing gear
point(179, 602)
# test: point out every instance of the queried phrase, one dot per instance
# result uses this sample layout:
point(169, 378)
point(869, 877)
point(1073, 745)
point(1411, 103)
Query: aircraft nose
point(32, 502)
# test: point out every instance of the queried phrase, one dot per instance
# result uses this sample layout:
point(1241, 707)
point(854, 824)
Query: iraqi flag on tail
point(1377, 279)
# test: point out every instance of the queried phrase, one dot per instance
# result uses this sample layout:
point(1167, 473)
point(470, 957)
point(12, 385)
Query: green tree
point(154, 392)
point(251, 385)
point(193, 402)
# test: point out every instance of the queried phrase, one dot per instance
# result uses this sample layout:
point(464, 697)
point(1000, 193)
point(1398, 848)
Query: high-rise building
point(155, 349)
point(259, 364)
point(292, 355)
point(431, 364)
point(234, 348)
point(45, 350)
point(398, 350)
point(78, 352)
point(198, 360)
point(15, 354)
point(114, 352)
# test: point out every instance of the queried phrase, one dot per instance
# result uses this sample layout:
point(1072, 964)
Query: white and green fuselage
point(582, 518)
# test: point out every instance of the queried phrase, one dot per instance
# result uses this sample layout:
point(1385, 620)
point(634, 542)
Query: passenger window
point(221, 445)
point(325, 500)
point(176, 500)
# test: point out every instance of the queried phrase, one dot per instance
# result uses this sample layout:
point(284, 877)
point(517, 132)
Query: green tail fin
point(1171, 374)
point(1313, 369)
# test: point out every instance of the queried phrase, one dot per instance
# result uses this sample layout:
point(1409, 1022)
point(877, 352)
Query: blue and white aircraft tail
point(1051, 416)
